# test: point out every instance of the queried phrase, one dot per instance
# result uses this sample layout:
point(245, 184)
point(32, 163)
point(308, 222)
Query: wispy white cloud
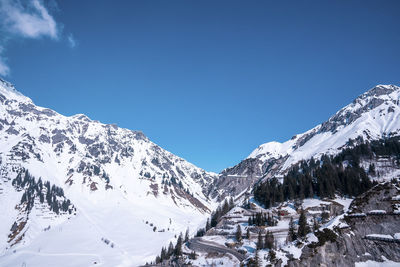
point(27, 19)
point(71, 40)
point(4, 69)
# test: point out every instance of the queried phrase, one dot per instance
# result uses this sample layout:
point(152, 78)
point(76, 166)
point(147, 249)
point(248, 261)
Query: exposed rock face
point(117, 179)
point(350, 245)
point(236, 179)
point(86, 150)
point(371, 116)
point(233, 181)
point(349, 114)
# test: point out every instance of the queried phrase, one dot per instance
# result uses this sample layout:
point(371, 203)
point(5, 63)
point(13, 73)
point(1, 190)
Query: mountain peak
point(381, 89)
point(366, 102)
point(8, 91)
point(103, 169)
point(81, 117)
point(371, 115)
point(270, 150)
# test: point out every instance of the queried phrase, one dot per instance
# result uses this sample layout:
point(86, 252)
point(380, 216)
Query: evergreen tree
point(253, 262)
point(371, 169)
point(178, 246)
point(192, 255)
point(260, 244)
point(257, 259)
point(238, 234)
point(214, 218)
point(186, 236)
point(303, 229)
point(247, 205)
point(315, 224)
point(208, 225)
point(269, 240)
point(163, 255)
point(24, 198)
point(55, 207)
point(170, 249)
point(200, 232)
point(248, 233)
point(271, 255)
point(225, 207)
point(291, 233)
point(325, 216)
point(231, 203)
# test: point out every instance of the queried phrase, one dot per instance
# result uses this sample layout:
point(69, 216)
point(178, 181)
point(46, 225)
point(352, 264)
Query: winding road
point(198, 244)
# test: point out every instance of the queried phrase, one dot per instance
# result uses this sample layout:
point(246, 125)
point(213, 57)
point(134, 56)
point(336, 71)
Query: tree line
point(340, 174)
point(47, 193)
point(173, 252)
point(261, 219)
point(216, 216)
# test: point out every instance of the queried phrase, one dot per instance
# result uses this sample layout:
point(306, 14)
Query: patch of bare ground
point(15, 232)
point(194, 201)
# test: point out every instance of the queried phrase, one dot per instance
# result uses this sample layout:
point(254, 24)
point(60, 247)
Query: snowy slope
point(372, 115)
point(126, 189)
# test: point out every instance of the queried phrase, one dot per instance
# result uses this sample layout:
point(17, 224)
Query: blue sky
point(206, 80)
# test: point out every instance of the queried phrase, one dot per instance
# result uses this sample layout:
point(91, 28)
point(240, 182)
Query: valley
point(76, 192)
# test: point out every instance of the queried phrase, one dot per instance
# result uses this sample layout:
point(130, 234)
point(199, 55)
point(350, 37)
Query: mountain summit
point(109, 183)
point(105, 194)
point(373, 115)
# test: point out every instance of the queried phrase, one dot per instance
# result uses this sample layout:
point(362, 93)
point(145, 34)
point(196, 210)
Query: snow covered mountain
point(77, 192)
point(120, 196)
point(372, 115)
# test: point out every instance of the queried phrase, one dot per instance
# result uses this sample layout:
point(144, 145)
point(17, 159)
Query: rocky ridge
point(371, 116)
